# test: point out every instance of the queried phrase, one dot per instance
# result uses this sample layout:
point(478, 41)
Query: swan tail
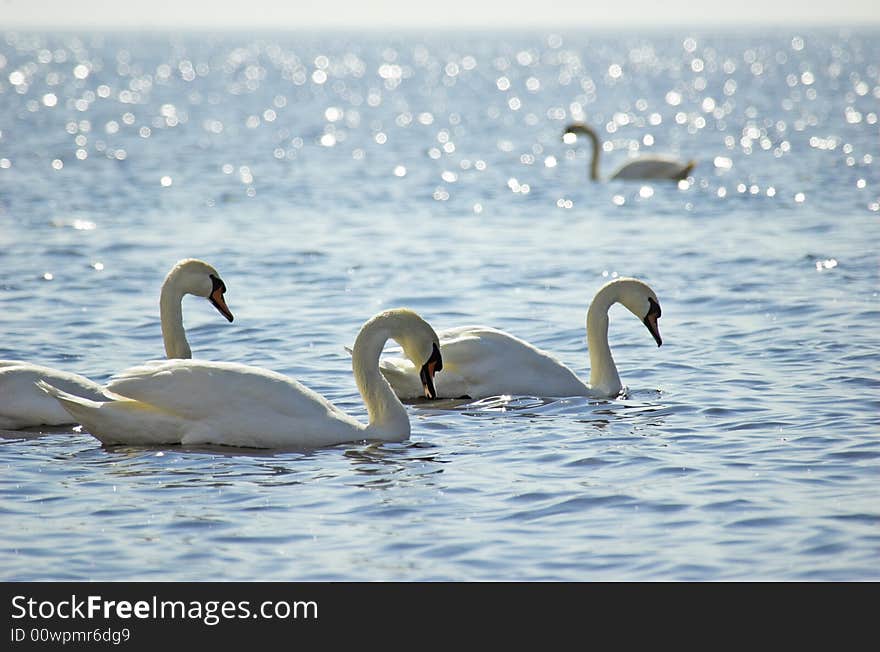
point(78, 407)
point(686, 172)
point(70, 402)
point(118, 419)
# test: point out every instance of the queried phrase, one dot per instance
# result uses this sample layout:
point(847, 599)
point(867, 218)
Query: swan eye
point(432, 366)
point(218, 284)
point(436, 358)
point(216, 297)
point(650, 321)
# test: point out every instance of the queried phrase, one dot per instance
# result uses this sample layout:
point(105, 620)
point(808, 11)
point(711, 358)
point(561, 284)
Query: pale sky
point(377, 14)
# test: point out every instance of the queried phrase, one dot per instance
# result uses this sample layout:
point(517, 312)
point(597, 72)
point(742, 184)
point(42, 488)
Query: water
point(328, 177)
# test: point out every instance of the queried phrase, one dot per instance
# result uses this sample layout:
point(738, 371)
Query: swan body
point(22, 405)
point(649, 166)
point(199, 402)
point(480, 361)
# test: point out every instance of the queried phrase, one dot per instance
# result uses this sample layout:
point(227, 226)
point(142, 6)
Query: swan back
point(193, 402)
point(654, 167)
point(164, 382)
point(480, 361)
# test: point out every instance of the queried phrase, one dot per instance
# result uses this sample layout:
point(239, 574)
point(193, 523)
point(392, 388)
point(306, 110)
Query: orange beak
point(219, 302)
point(432, 366)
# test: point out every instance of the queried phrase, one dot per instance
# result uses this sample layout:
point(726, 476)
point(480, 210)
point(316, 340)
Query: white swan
point(197, 402)
point(22, 405)
point(480, 361)
point(649, 166)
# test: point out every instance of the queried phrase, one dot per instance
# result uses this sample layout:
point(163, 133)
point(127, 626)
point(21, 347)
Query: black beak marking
point(432, 366)
point(651, 318)
point(216, 297)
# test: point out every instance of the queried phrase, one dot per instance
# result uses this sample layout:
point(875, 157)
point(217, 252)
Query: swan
point(650, 166)
point(22, 405)
point(480, 361)
point(232, 404)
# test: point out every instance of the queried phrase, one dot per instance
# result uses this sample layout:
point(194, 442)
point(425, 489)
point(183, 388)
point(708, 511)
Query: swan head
point(193, 276)
point(638, 297)
point(421, 345)
point(577, 128)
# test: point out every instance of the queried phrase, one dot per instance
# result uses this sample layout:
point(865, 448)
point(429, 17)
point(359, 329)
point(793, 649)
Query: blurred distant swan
point(649, 166)
point(481, 361)
point(197, 402)
point(22, 405)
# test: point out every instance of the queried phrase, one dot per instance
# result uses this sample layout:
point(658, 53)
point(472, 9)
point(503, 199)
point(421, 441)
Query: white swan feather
point(22, 405)
point(646, 166)
point(479, 361)
point(225, 403)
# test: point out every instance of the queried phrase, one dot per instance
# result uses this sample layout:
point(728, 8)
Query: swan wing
point(196, 402)
point(480, 361)
point(197, 388)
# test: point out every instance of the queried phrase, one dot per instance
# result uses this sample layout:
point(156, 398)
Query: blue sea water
point(330, 176)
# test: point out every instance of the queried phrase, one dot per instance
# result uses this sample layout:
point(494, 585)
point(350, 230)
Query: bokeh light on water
point(334, 175)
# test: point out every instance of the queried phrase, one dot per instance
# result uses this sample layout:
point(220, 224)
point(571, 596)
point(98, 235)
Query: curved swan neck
point(388, 416)
point(597, 147)
point(597, 150)
point(603, 372)
point(171, 316)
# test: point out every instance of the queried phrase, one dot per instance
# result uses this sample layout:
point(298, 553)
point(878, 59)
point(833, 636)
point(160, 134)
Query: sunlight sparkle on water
point(302, 148)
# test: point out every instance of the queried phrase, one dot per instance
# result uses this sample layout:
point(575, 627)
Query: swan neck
point(597, 150)
point(603, 372)
point(388, 417)
point(171, 316)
